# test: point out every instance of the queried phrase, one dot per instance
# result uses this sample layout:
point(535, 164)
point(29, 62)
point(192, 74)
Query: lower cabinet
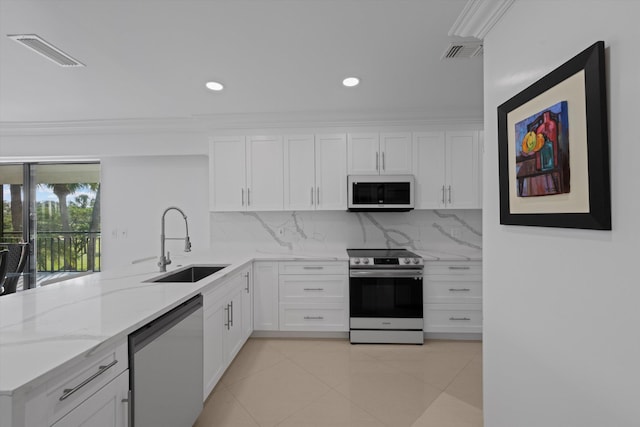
point(453, 297)
point(106, 408)
point(227, 325)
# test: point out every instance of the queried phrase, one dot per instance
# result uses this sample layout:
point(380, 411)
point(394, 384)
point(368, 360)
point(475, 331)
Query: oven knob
point(365, 260)
point(416, 260)
point(356, 261)
point(407, 260)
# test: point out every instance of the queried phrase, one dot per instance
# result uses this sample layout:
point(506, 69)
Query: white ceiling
point(149, 59)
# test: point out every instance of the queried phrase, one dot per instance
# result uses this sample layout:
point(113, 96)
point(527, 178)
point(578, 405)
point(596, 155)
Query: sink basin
point(189, 275)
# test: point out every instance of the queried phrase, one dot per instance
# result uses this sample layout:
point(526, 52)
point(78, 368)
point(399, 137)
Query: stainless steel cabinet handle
point(242, 192)
point(459, 318)
point(459, 267)
point(318, 197)
point(443, 194)
point(459, 289)
point(128, 402)
point(228, 324)
point(308, 267)
point(311, 196)
point(247, 288)
point(449, 194)
point(231, 316)
point(377, 161)
point(314, 289)
point(383, 167)
point(248, 197)
point(101, 370)
point(313, 318)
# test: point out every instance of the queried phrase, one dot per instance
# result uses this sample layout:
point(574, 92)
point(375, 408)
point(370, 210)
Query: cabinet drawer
point(314, 317)
point(79, 382)
point(453, 318)
point(313, 267)
point(313, 288)
point(454, 291)
point(461, 268)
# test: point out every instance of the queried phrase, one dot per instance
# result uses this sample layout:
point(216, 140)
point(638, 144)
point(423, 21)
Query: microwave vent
point(46, 49)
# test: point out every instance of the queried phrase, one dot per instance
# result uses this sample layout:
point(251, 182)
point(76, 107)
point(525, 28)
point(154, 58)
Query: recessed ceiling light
point(214, 86)
point(351, 81)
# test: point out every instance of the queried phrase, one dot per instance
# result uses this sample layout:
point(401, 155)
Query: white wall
point(135, 193)
point(561, 313)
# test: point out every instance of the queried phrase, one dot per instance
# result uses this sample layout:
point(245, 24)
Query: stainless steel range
point(385, 296)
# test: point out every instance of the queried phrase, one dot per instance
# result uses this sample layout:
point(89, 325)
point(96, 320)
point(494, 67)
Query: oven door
point(385, 293)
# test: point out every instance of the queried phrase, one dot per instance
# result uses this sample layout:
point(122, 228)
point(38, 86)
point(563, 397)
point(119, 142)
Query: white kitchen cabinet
point(108, 407)
point(313, 296)
point(227, 174)
point(224, 332)
point(246, 173)
point(380, 154)
point(265, 174)
point(453, 297)
point(265, 296)
point(446, 166)
point(315, 172)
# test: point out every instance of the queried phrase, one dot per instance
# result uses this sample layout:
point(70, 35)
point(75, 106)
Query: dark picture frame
point(568, 185)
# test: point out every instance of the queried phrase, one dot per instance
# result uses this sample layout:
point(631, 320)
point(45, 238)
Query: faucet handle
point(167, 261)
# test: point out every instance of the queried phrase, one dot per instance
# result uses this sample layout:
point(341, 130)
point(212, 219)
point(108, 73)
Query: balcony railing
point(58, 251)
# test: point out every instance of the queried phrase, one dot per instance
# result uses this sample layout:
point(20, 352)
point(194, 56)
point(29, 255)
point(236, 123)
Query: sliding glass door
point(55, 208)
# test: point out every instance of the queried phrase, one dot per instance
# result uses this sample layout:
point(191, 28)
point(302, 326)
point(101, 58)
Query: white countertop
point(49, 327)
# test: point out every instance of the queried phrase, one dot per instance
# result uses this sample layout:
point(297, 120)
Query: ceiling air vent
point(468, 49)
point(46, 49)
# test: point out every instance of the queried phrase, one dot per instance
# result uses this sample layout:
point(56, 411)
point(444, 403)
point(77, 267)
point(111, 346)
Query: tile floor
point(331, 383)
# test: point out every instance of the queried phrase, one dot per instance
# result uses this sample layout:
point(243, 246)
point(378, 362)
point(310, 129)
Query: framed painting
point(553, 148)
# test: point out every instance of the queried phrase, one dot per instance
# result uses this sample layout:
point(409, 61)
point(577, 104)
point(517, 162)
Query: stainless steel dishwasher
point(165, 362)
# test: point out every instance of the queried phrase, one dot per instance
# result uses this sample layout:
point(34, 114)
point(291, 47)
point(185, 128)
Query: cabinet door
point(247, 305)
point(363, 154)
point(213, 333)
point(462, 177)
point(106, 408)
point(299, 173)
point(265, 173)
point(331, 172)
point(227, 184)
point(265, 301)
point(233, 340)
point(428, 169)
point(396, 153)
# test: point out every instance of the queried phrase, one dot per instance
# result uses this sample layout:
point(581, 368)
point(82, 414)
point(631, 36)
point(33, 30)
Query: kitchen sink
point(189, 274)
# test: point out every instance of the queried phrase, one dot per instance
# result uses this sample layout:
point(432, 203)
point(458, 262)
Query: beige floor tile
point(435, 368)
point(287, 346)
point(447, 411)
point(255, 356)
point(467, 386)
point(276, 392)
point(472, 347)
point(394, 398)
point(331, 410)
point(223, 410)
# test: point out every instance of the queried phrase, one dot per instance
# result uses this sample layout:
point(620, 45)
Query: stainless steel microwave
point(390, 193)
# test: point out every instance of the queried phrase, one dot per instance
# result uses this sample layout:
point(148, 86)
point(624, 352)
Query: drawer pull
point(459, 318)
point(101, 370)
point(313, 317)
point(313, 268)
point(314, 289)
point(459, 289)
point(459, 267)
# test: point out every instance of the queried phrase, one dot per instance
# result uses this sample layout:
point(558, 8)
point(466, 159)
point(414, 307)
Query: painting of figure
point(542, 153)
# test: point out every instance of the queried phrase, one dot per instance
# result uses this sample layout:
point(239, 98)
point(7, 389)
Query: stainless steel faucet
point(164, 261)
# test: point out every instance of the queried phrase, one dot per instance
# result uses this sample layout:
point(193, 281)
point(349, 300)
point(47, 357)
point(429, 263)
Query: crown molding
point(229, 122)
point(478, 17)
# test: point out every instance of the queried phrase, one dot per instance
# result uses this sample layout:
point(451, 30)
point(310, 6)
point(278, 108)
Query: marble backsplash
point(435, 234)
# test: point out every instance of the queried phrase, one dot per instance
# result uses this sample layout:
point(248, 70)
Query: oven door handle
point(409, 273)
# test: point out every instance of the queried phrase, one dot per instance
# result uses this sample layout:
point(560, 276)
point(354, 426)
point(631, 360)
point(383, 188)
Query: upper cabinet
point(447, 170)
point(315, 172)
point(379, 153)
point(246, 174)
